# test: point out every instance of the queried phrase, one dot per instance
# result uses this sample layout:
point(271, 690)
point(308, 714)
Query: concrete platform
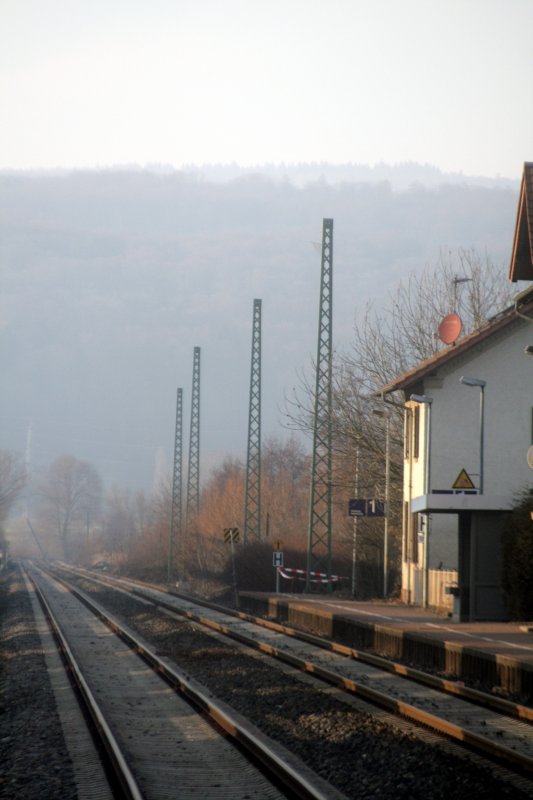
point(499, 654)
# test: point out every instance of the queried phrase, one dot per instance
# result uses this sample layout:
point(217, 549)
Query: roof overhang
point(431, 365)
point(455, 503)
point(521, 267)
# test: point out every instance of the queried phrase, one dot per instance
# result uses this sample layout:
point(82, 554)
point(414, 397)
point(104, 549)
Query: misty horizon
point(110, 279)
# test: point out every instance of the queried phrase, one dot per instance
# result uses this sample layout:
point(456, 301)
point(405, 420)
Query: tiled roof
point(430, 365)
point(521, 268)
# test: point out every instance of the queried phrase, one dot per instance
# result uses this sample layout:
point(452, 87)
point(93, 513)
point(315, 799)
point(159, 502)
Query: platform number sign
point(357, 508)
point(231, 535)
point(363, 507)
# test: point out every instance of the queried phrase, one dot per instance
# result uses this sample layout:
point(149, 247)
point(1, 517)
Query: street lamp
point(427, 401)
point(354, 545)
point(386, 414)
point(481, 385)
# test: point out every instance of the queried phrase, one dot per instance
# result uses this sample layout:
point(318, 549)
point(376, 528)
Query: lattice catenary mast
point(193, 476)
point(176, 512)
point(252, 503)
point(319, 543)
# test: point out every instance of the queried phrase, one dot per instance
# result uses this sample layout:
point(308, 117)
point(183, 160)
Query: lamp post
point(386, 415)
point(427, 401)
point(354, 546)
point(481, 385)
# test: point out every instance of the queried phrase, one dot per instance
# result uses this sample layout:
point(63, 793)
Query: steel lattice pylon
point(319, 543)
point(252, 503)
point(193, 475)
point(176, 512)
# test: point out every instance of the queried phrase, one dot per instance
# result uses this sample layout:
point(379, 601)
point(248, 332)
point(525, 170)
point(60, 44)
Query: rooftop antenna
point(456, 281)
point(450, 328)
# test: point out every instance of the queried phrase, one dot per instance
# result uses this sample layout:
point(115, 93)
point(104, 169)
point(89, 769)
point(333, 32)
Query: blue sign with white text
point(357, 508)
point(361, 507)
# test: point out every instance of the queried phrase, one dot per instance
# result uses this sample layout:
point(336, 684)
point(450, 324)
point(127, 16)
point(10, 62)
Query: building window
point(414, 538)
point(411, 438)
point(410, 534)
point(416, 432)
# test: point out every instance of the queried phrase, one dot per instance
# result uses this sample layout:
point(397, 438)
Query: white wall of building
point(508, 372)
point(455, 432)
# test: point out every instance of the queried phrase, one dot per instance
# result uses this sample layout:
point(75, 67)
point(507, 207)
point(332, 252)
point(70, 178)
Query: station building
point(468, 434)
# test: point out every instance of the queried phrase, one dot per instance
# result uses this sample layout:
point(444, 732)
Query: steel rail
point(477, 742)
point(231, 722)
point(499, 704)
point(120, 768)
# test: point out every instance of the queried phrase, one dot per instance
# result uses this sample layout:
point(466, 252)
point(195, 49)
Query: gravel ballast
point(35, 764)
point(359, 754)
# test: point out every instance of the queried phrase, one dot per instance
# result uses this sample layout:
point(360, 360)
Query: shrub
point(517, 554)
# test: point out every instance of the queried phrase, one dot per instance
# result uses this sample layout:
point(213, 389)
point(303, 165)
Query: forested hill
point(110, 278)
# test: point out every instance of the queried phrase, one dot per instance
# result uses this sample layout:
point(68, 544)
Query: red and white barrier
point(314, 577)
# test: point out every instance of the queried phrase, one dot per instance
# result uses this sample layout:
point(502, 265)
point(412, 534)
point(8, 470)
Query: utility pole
point(252, 504)
point(387, 416)
point(175, 515)
point(319, 542)
point(193, 475)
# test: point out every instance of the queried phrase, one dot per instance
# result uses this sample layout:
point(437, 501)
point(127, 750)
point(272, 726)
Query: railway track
point(498, 729)
point(164, 736)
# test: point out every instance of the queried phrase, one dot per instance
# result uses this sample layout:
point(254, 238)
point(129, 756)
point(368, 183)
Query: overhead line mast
point(193, 475)
point(176, 512)
point(252, 504)
point(319, 541)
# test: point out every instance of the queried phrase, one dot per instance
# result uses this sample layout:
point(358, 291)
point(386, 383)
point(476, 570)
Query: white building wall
point(455, 428)
point(455, 434)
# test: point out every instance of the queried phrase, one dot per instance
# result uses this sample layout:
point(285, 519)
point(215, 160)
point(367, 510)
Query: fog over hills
point(109, 279)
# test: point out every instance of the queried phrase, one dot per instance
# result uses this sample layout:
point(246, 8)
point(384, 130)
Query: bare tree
point(70, 491)
point(286, 471)
point(119, 521)
point(403, 331)
point(12, 481)
point(387, 342)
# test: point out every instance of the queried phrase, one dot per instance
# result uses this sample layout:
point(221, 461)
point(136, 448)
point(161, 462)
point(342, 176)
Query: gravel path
point(362, 756)
point(34, 762)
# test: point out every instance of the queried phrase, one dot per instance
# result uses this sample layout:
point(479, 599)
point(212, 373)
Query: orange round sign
point(450, 328)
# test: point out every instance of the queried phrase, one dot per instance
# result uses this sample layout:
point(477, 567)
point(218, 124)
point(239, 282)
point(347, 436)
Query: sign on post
point(375, 508)
point(357, 508)
point(231, 535)
point(277, 558)
point(362, 507)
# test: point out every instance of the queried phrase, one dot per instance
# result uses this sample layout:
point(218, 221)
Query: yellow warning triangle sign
point(463, 481)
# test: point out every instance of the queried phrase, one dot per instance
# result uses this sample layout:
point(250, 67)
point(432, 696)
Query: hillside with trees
point(111, 278)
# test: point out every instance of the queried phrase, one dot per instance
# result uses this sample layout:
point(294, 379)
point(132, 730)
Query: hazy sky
point(100, 82)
